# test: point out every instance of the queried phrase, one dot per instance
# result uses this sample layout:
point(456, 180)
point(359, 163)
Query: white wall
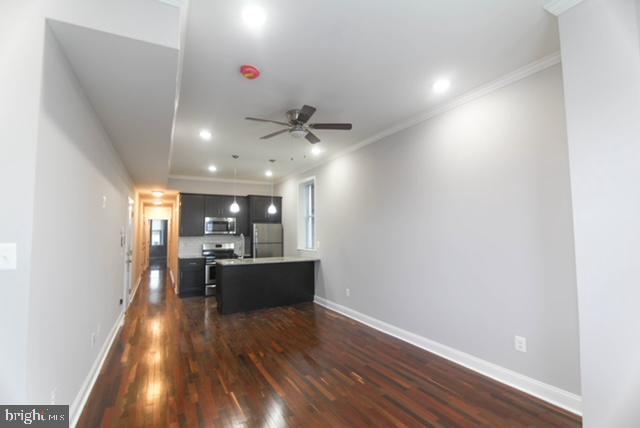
point(22, 29)
point(77, 261)
point(601, 58)
point(21, 40)
point(213, 187)
point(459, 230)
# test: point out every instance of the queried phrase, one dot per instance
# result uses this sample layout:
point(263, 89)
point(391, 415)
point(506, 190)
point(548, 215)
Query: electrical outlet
point(53, 396)
point(104, 201)
point(347, 291)
point(521, 344)
point(93, 340)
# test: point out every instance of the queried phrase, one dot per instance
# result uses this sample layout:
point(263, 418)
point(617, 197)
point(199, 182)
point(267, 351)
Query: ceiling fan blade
point(273, 134)
point(311, 137)
point(267, 120)
point(339, 126)
point(305, 113)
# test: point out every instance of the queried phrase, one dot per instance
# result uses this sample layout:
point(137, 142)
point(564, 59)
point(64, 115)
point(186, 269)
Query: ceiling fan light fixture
point(298, 132)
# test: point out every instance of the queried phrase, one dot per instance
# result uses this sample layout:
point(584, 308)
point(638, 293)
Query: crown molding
point(506, 80)
point(558, 7)
point(218, 180)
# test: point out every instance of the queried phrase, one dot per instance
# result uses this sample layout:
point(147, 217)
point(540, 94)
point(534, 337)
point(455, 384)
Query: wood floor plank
point(178, 363)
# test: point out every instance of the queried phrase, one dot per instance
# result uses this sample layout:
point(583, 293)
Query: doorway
point(158, 239)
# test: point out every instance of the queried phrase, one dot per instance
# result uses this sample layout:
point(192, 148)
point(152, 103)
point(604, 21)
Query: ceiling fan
point(297, 124)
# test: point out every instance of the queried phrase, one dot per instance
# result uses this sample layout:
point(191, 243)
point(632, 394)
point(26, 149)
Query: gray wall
point(77, 262)
point(459, 230)
point(601, 58)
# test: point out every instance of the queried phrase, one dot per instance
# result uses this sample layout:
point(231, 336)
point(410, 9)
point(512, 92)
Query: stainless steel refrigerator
point(267, 240)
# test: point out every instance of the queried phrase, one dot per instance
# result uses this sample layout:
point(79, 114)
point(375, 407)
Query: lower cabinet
point(191, 277)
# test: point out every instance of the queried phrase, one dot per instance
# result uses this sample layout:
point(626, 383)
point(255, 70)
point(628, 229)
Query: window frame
point(304, 204)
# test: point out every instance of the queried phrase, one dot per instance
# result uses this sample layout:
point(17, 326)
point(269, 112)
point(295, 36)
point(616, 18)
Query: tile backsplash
point(192, 246)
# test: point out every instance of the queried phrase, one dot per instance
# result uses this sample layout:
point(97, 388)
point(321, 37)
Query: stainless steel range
point(211, 253)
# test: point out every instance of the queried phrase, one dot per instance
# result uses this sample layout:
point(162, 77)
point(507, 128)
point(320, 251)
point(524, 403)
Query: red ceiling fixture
point(250, 72)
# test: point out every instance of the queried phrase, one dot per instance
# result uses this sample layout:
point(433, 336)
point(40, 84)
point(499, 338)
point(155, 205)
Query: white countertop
point(265, 260)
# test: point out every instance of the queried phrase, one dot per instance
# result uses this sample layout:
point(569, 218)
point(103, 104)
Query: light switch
point(7, 256)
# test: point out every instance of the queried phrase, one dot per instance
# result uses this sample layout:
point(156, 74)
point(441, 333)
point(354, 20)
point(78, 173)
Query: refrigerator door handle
point(255, 241)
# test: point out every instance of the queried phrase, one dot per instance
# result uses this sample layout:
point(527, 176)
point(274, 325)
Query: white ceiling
point(369, 62)
point(132, 86)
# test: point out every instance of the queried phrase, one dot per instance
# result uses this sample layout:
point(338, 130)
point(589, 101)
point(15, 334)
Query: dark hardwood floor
point(177, 362)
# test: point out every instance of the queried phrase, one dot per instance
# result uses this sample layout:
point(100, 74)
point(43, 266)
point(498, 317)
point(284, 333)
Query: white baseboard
point(135, 290)
point(541, 390)
point(75, 410)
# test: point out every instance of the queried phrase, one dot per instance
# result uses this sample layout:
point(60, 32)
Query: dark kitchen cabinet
point(191, 277)
point(192, 215)
point(218, 206)
point(258, 206)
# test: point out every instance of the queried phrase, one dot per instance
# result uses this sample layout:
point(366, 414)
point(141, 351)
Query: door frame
point(127, 241)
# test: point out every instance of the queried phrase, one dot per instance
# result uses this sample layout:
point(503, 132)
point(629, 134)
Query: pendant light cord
point(235, 179)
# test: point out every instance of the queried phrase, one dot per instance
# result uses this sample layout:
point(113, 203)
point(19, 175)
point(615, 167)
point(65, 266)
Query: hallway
point(177, 362)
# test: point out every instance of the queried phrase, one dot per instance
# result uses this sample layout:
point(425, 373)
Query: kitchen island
point(250, 284)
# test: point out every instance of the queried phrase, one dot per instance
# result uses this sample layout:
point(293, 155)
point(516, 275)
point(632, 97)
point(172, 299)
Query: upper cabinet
point(218, 206)
point(258, 206)
point(192, 215)
point(194, 209)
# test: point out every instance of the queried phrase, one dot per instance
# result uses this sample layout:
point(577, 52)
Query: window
point(157, 233)
point(307, 210)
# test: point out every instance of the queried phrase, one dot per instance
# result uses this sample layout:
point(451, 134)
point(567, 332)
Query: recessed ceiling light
point(269, 173)
point(254, 16)
point(212, 168)
point(441, 86)
point(157, 193)
point(157, 202)
point(205, 134)
point(315, 150)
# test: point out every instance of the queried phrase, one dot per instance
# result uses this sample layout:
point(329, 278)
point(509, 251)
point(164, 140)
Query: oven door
point(210, 274)
point(210, 279)
point(219, 226)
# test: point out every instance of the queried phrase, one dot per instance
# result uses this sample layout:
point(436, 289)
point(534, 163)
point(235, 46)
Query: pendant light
point(235, 208)
point(272, 208)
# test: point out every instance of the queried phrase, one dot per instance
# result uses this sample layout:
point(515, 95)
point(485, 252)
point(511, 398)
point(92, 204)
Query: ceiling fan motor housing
point(292, 115)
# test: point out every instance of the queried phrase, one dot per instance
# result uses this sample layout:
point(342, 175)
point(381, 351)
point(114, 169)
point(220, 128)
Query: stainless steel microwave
point(219, 226)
